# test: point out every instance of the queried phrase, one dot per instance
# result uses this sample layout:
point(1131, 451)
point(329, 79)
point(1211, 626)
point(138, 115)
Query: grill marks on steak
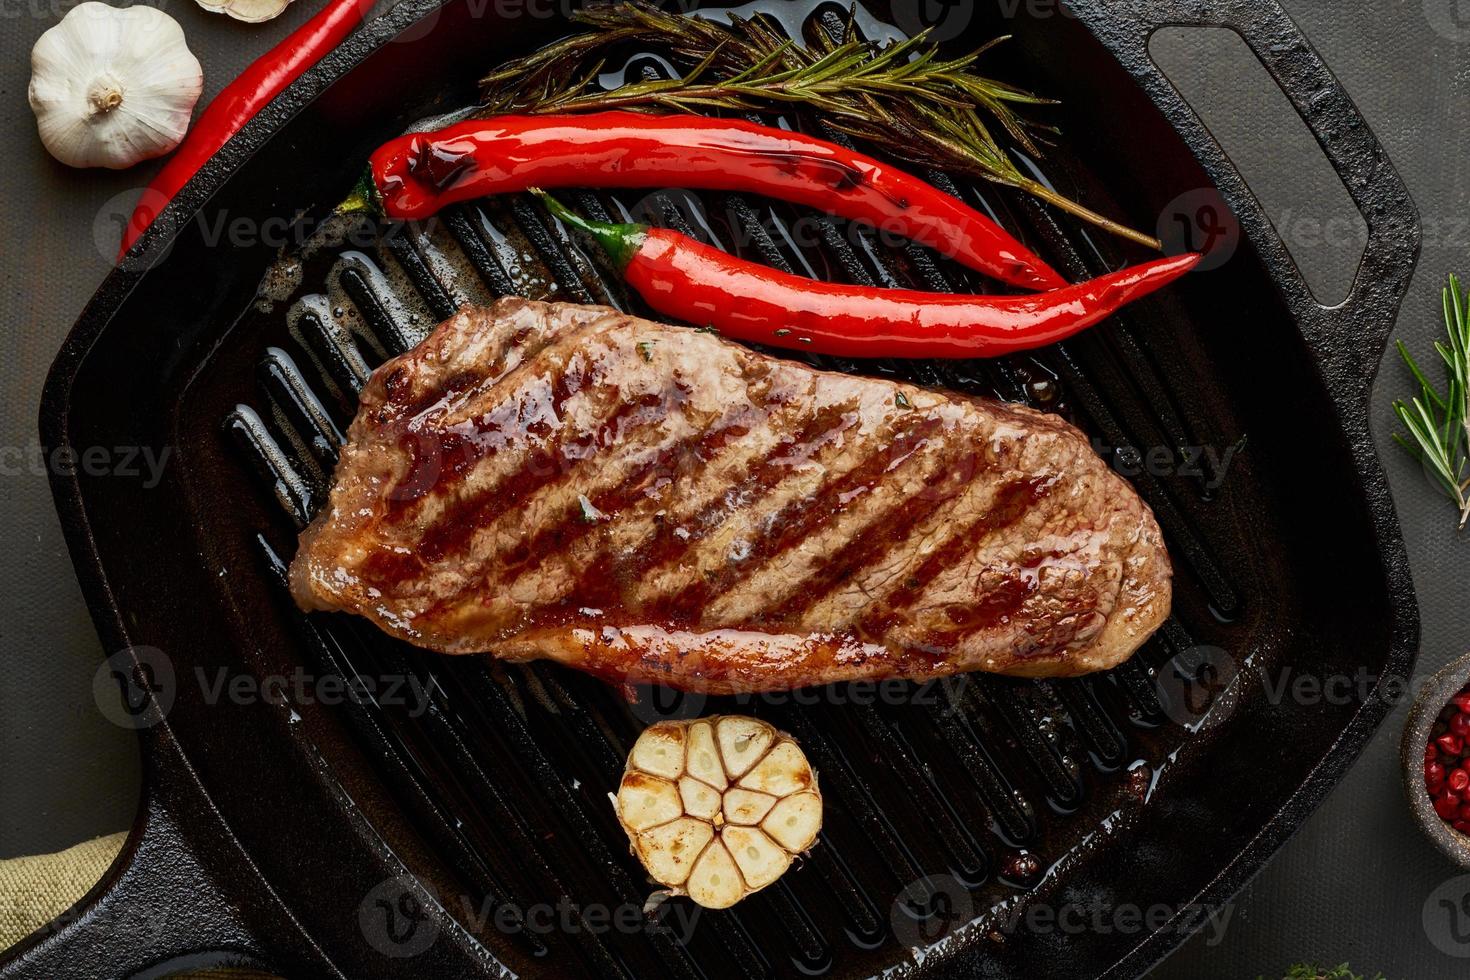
point(652, 503)
point(646, 554)
point(1005, 505)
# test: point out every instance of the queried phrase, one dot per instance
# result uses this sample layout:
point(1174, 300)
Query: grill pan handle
point(1348, 338)
point(157, 910)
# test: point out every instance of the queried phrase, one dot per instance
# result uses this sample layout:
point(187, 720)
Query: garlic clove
point(783, 771)
point(669, 852)
point(760, 860)
point(247, 11)
point(704, 756)
point(700, 800)
point(660, 751)
point(747, 807)
point(795, 821)
point(646, 801)
point(742, 742)
point(715, 881)
point(111, 87)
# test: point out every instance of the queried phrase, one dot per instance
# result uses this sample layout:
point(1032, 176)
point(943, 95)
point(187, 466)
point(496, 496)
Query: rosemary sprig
point(944, 113)
point(1439, 425)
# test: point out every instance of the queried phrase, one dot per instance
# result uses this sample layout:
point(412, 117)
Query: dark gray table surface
point(1352, 885)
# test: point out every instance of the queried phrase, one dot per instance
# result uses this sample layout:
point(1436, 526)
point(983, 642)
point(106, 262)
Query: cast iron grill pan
point(437, 831)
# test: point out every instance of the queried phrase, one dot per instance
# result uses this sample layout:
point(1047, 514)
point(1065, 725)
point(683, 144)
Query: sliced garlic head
point(717, 808)
point(113, 87)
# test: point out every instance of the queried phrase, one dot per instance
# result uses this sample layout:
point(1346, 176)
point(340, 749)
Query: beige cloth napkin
point(35, 890)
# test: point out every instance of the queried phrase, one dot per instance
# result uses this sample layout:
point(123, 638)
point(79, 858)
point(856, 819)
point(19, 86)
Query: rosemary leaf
point(1419, 375)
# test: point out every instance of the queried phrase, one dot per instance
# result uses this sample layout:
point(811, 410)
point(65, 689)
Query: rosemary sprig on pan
point(940, 110)
point(1439, 425)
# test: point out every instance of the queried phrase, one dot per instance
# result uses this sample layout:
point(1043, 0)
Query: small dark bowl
point(1427, 706)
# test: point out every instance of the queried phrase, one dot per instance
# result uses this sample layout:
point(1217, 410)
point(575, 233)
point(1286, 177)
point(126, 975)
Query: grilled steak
point(652, 503)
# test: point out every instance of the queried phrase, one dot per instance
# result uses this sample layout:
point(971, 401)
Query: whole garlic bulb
point(112, 87)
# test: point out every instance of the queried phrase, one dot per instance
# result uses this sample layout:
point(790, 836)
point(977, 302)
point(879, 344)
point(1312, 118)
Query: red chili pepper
point(238, 103)
point(420, 173)
point(693, 282)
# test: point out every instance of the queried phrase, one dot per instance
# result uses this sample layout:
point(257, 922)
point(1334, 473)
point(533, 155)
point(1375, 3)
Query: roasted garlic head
point(717, 808)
